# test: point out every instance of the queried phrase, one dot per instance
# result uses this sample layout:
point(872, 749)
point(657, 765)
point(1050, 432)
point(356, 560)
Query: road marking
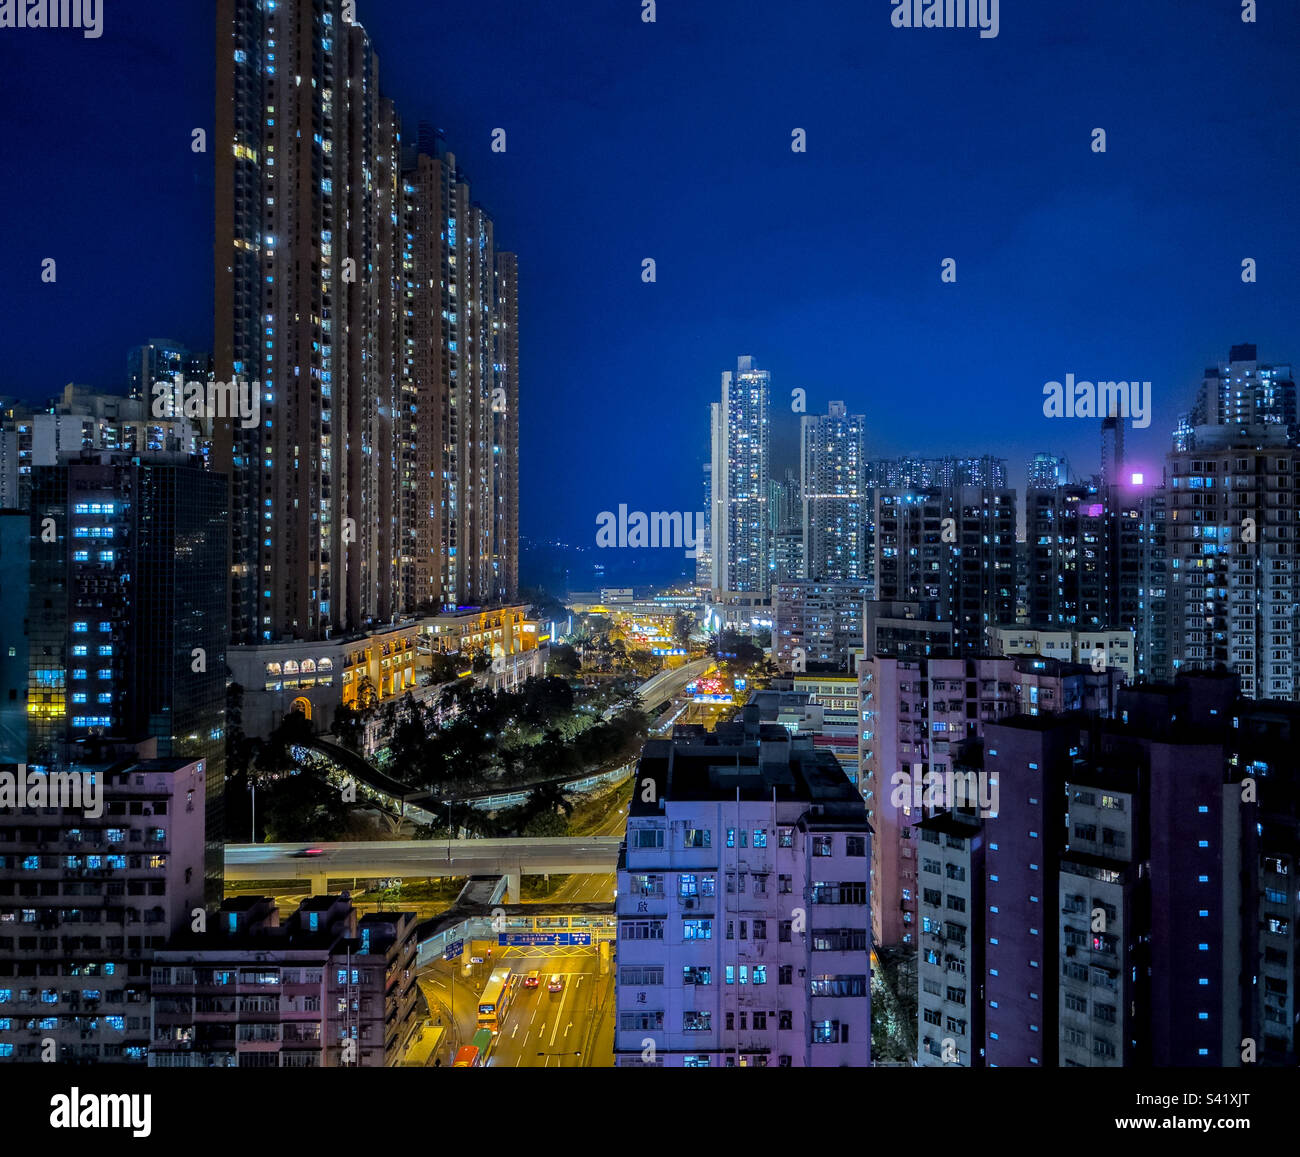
point(559, 1012)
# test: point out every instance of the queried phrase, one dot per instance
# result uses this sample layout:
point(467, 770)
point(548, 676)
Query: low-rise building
point(743, 905)
point(1111, 647)
point(323, 989)
point(86, 900)
point(370, 668)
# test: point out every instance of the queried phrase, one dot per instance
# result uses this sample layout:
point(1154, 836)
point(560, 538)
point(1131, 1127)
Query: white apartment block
point(743, 911)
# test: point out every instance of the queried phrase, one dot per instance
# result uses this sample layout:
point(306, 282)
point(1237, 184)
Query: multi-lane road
point(567, 1029)
point(546, 1029)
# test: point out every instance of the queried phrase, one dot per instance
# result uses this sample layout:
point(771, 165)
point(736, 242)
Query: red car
point(531, 980)
point(555, 984)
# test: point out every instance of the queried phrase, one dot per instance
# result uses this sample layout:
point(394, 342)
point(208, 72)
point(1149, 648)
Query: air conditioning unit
point(689, 902)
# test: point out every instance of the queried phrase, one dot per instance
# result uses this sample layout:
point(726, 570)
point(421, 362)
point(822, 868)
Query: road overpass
point(382, 859)
point(668, 684)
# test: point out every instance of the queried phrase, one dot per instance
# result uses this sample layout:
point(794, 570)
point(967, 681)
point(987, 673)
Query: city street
point(541, 1029)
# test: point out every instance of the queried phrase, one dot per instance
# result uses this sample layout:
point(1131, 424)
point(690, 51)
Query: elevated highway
point(377, 859)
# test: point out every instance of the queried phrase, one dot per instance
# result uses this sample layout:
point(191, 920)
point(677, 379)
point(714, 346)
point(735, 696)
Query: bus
point(494, 1002)
point(475, 1054)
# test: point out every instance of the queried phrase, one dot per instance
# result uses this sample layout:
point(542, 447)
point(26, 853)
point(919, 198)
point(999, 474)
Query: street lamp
point(449, 831)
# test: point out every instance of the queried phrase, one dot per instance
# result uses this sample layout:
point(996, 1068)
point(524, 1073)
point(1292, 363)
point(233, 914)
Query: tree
point(549, 797)
point(442, 668)
point(240, 749)
point(349, 726)
point(731, 647)
point(597, 625)
point(544, 604)
point(545, 824)
point(643, 662)
point(563, 661)
point(276, 754)
point(302, 806)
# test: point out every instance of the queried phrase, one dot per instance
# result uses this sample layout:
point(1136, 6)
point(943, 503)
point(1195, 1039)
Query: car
point(310, 852)
point(531, 980)
point(555, 983)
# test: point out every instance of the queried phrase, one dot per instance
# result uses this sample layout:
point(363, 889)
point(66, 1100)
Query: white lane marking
point(559, 1013)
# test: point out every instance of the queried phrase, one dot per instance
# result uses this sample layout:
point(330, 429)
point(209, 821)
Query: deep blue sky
point(672, 141)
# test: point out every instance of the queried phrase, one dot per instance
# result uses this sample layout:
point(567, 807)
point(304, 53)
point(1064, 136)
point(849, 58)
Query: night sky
point(671, 140)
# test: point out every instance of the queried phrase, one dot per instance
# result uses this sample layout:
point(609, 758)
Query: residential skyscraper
point(950, 956)
point(1096, 560)
point(160, 360)
point(322, 989)
point(955, 547)
point(15, 576)
point(1112, 451)
point(910, 472)
point(359, 287)
point(816, 625)
point(704, 549)
point(127, 616)
point(1243, 392)
point(460, 376)
point(1046, 471)
point(81, 418)
point(1234, 591)
point(1066, 529)
point(915, 713)
point(742, 434)
point(833, 481)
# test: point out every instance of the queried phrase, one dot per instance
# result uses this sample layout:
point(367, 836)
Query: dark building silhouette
point(127, 612)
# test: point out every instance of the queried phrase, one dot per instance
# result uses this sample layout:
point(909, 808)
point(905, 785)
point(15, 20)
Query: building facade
point(127, 615)
point(833, 471)
point(742, 905)
point(360, 292)
point(742, 436)
point(953, 547)
point(325, 989)
point(1233, 596)
point(817, 624)
point(86, 900)
point(916, 715)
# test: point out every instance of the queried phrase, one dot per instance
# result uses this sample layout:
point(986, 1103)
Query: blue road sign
point(543, 939)
point(454, 950)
